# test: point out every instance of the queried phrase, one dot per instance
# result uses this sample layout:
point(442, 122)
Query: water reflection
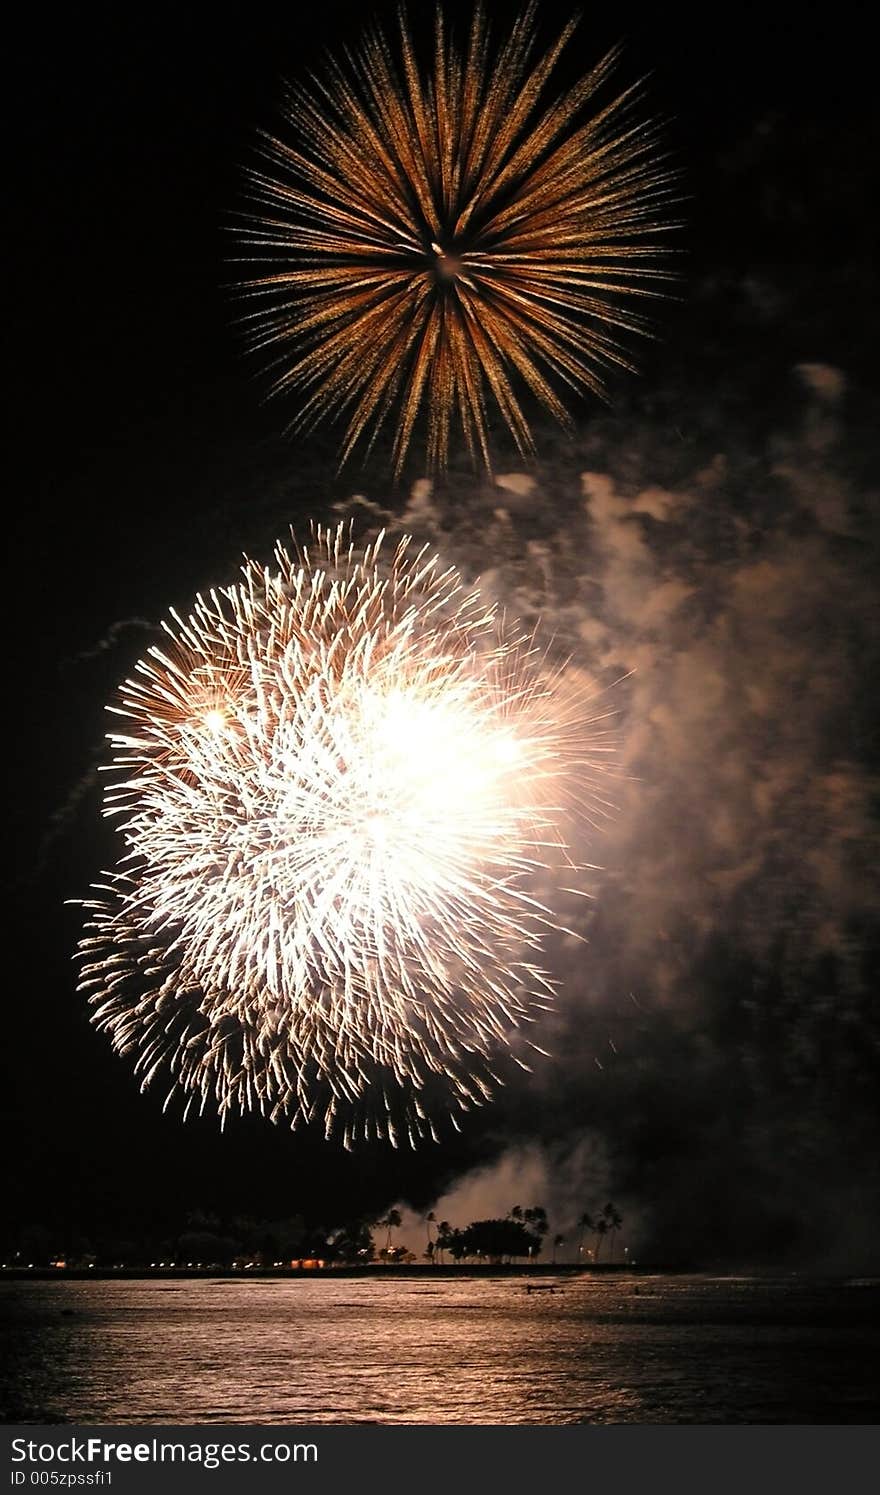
point(459, 1351)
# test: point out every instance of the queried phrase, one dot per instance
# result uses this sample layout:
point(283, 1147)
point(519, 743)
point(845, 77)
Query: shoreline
point(413, 1271)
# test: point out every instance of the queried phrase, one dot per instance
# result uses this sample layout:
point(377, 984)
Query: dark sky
point(739, 1123)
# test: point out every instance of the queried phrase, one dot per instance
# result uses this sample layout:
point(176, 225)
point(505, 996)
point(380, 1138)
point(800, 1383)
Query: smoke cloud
point(715, 1043)
point(568, 1180)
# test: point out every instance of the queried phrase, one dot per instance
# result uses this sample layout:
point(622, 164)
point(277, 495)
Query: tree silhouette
point(558, 1240)
point(390, 1221)
point(458, 1244)
point(614, 1220)
point(444, 1237)
point(497, 1239)
point(536, 1217)
point(351, 1243)
point(585, 1223)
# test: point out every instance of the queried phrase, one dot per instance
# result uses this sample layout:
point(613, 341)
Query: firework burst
point(339, 783)
point(450, 239)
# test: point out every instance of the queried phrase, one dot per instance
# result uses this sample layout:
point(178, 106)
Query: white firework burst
point(337, 782)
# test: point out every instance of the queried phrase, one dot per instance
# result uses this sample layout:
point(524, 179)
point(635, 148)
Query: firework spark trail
point(447, 240)
point(336, 782)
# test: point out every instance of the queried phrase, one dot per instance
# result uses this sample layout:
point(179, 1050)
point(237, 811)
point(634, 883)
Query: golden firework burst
point(451, 239)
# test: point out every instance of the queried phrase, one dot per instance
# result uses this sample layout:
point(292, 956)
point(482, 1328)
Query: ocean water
point(616, 1349)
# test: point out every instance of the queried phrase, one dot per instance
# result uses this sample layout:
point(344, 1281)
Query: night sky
point(713, 530)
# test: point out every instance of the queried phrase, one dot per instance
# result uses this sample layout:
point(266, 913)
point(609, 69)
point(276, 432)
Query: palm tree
point(601, 1230)
point(614, 1221)
point(585, 1223)
point(391, 1221)
point(444, 1236)
point(430, 1219)
point(558, 1240)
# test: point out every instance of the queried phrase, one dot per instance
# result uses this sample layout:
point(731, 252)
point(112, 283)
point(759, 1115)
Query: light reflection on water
point(391, 1350)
